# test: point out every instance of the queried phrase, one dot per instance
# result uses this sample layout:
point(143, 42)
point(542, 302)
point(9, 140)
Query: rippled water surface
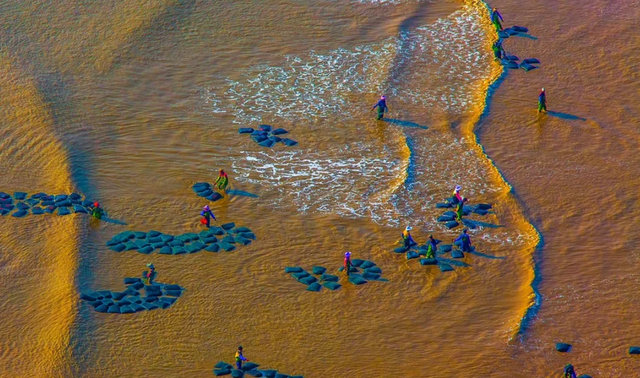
point(131, 102)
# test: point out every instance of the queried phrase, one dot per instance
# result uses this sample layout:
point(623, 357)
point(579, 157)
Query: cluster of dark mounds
point(249, 368)
point(204, 190)
point(157, 295)
point(415, 251)
point(449, 217)
point(213, 239)
point(266, 136)
point(314, 283)
point(515, 30)
point(42, 203)
point(511, 61)
point(362, 271)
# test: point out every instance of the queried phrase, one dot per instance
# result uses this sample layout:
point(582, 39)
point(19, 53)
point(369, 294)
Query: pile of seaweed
point(204, 190)
point(157, 295)
point(362, 271)
point(511, 61)
point(249, 368)
point(449, 217)
point(266, 136)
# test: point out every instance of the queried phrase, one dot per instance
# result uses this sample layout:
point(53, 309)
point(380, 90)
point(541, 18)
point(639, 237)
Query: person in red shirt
point(148, 278)
point(222, 181)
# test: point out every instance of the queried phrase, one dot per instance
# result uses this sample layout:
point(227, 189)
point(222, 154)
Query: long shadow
point(114, 221)
point(476, 253)
point(235, 192)
point(405, 123)
point(452, 262)
point(473, 224)
point(566, 116)
point(411, 167)
point(525, 35)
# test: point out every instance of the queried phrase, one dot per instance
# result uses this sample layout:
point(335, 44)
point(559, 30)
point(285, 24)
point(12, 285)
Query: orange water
point(131, 102)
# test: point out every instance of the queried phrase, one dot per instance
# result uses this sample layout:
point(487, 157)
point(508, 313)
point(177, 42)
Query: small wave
point(445, 63)
point(347, 181)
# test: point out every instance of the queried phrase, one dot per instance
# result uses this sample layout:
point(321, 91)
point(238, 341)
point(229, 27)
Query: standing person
point(222, 181)
point(382, 107)
point(542, 101)
point(432, 247)
point(97, 211)
point(457, 197)
point(496, 17)
point(407, 238)
point(465, 241)
point(240, 358)
point(148, 278)
point(207, 214)
point(460, 209)
point(347, 263)
point(498, 50)
point(569, 371)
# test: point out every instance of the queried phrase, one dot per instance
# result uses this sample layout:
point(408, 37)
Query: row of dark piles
point(42, 203)
point(362, 271)
point(249, 368)
point(214, 239)
point(131, 300)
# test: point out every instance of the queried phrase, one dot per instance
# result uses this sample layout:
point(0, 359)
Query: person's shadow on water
point(404, 123)
point(566, 116)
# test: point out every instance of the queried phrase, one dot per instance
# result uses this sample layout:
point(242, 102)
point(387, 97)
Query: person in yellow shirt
point(407, 238)
point(240, 358)
point(222, 181)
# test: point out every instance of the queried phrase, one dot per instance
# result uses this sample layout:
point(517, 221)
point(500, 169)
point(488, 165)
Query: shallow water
point(131, 102)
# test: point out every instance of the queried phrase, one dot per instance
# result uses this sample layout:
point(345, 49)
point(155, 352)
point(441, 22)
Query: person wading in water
point(382, 107)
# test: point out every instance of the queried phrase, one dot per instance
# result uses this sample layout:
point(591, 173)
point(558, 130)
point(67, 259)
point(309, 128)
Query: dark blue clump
point(131, 300)
point(267, 136)
point(205, 190)
point(209, 240)
point(42, 203)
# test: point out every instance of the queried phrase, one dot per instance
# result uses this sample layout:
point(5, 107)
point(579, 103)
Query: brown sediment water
point(575, 171)
point(131, 102)
point(38, 264)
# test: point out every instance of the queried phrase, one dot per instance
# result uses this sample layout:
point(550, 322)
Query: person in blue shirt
point(542, 101)
point(382, 107)
point(465, 241)
point(496, 17)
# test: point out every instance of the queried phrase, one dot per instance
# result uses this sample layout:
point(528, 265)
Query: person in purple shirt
point(207, 214)
point(382, 106)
